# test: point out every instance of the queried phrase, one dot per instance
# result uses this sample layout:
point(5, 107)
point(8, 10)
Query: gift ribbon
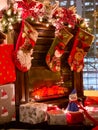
point(28, 8)
point(87, 114)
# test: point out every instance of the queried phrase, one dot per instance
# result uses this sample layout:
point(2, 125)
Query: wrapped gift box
point(7, 103)
point(56, 117)
point(7, 66)
point(91, 100)
point(92, 110)
point(74, 117)
point(33, 112)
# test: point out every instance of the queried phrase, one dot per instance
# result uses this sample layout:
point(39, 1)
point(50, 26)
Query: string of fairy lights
point(41, 12)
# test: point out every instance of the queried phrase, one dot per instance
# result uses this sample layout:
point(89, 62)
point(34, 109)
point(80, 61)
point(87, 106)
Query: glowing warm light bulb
point(32, 19)
point(20, 11)
point(4, 22)
point(19, 19)
point(49, 20)
point(78, 16)
point(58, 19)
point(10, 26)
point(47, 25)
point(41, 19)
point(69, 26)
point(9, 12)
point(11, 20)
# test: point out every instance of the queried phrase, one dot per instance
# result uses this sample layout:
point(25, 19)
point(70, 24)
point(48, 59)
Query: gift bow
point(29, 9)
point(87, 114)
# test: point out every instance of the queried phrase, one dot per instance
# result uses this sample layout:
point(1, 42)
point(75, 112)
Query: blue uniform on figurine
point(72, 105)
point(74, 115)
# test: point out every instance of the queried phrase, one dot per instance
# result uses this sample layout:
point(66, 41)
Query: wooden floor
point(43, 126)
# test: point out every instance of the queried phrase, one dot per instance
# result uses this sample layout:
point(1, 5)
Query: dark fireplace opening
point(43, 85)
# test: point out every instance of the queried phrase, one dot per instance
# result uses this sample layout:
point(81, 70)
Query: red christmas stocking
point(24, 47)
point(80, 48)
point(53, 58)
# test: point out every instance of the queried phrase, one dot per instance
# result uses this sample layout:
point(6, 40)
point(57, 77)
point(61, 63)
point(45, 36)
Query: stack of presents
point(74, 113)
point(7, 78)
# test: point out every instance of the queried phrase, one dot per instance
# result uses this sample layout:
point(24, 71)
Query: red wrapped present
point(91, 100)
point(7, 67)
point(74, 117)
point(95, 128)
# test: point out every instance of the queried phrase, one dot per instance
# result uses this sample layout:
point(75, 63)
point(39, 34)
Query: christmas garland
point(44, 11)
point(48, 13)
point(10, 16)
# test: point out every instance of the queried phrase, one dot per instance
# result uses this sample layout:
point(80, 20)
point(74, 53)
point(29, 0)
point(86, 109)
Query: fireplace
point(40, 83)
point(43, 84)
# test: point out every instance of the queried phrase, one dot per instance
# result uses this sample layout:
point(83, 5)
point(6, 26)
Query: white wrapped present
point(92, 110)
point(56, 117)
point(33, 112)
point(7, 103)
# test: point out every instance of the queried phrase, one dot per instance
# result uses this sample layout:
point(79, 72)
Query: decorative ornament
point(74, 115)
point(72, 105)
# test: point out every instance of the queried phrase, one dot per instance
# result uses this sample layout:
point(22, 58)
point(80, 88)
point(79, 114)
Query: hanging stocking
point(24, 47)
point(80, 48)
point(53, 58)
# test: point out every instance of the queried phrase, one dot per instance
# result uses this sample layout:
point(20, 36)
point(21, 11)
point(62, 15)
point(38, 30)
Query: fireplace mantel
point(24, 80)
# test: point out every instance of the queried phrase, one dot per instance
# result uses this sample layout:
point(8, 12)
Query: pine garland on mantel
point(41, 11)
